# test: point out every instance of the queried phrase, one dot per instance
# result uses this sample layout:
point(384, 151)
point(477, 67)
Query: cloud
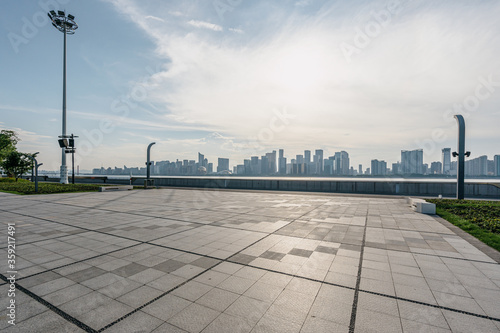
point(205, 25)
point(391, 95)
point(239, 31)
point(155, 18)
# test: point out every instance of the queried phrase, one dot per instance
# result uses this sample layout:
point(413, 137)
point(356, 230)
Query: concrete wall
point(414, 187)
point(389, 187)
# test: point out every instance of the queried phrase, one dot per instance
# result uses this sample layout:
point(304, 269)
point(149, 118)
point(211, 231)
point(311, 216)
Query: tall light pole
point(66, 25)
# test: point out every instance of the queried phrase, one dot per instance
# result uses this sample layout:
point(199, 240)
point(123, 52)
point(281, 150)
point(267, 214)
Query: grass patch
point(480, 219)
point(27, 187)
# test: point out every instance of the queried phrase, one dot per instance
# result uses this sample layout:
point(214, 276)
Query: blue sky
point(240, 78)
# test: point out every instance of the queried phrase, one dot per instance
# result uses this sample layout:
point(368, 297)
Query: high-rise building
point(436, 168)
point(307, 156)
point(412, 161)
point(318, 159)
point(446, 160)
point(378, 168)
point(344, 163)
point(477, 166)
point(223, 164)
point(254, 165)
point(271, 160)
point(337, 170)
point(396, 168)
point(360, 169)
point(281, 162)
point(328, 165)
point(201, 160)
point(248, 168)
point(496, 159)
point(264, 165)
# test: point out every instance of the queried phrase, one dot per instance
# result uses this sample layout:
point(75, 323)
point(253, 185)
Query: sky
point(239, 78)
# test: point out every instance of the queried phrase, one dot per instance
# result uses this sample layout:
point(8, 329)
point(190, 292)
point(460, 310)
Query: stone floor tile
point(319, 325)
point(194, 318)
point(270, 324)
point(166, 307)
point(192, 290)
point(137, 322)
point(369, 321)
point(218, 299)
point(228, 324)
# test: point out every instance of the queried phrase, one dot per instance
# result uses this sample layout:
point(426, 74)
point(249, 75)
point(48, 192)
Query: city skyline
point(238, 80)
point(319, 164)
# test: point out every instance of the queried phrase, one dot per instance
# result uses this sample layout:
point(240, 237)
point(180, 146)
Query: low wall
point(412, 187)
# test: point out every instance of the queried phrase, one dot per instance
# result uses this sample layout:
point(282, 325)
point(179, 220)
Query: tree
point(8, 142)
point(15, 164)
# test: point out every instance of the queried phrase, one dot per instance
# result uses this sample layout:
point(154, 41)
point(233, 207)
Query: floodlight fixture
point(63, 143)
point(63, 23)
point(66, 25)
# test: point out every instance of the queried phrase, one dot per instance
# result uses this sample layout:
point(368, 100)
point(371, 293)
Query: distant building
point(264, 165)
point(254, 165)
point(446, 160)
point(412, 161)
point(223, 164)
point(328, 165)
point(201, 160)
point(378, 168)
point(281, 162)
point(496, 159)
point(307, 156)
point(240, 169)
point(248, 168)
point(436, 168)
point(343, 163)
point(271, 160)
point(318, 161)
point(360, 169)
point(477, 166)
point(396, 168)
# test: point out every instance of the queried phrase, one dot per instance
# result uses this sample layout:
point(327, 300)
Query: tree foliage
point(15, 164)
point(8, 142)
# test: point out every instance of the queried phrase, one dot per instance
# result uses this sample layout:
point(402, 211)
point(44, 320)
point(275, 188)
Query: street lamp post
point(148, 164)
point(72, 149)
point(461, 154)
point(66, 25)
point(37, 165)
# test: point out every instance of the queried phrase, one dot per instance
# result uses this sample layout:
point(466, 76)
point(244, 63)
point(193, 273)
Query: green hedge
point(27, 187)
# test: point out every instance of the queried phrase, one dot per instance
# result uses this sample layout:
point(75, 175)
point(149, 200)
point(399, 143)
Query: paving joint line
point(174, 288)
point(431, 305)
point(52, 307)
point(229, 260)
point(152, 216)
point(354, 310)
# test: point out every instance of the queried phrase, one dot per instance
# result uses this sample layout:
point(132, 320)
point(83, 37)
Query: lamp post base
point(63, 174)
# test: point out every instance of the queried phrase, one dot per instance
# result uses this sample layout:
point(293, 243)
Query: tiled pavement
point(175, 260)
